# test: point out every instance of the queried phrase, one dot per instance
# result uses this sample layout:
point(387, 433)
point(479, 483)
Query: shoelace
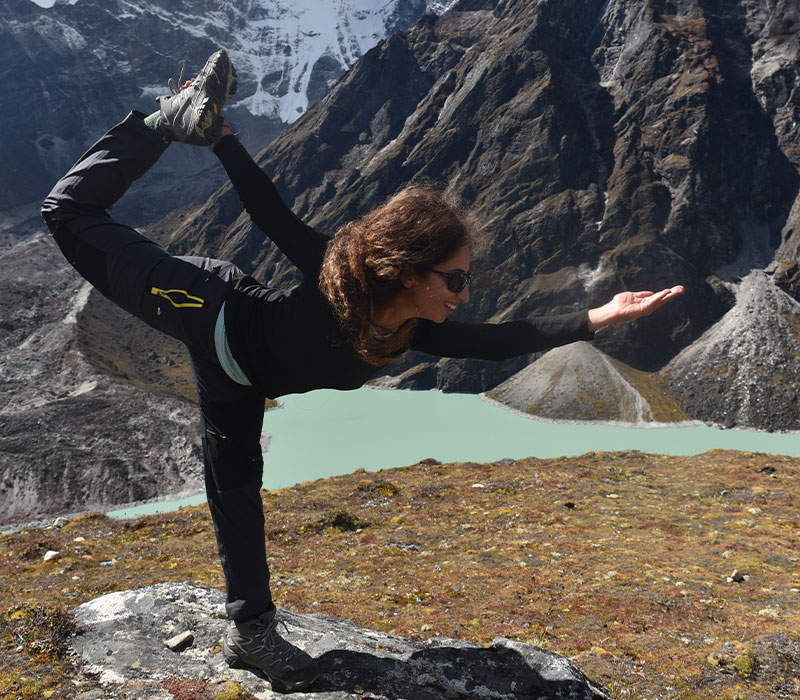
point(272, 626)
point(283, 650)
point(175, 86)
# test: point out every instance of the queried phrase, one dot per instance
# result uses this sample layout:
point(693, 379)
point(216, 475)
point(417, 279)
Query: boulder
point(123, 639)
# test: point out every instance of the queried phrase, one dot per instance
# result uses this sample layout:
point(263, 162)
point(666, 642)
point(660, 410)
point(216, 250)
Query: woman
point(382, 285)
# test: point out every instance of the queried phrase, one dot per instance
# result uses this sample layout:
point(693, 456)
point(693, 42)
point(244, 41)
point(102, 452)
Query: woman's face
point(429, 293)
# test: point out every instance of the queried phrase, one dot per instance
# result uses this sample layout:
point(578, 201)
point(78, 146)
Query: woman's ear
point(407, 278)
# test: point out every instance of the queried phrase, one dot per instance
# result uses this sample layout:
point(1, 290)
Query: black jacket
point(288, 341)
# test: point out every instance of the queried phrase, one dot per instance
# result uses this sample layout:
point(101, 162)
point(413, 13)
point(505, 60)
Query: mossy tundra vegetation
point(661, 577)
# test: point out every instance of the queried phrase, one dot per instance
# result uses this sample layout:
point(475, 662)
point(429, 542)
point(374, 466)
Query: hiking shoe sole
point(217, 84)
point(278, 684)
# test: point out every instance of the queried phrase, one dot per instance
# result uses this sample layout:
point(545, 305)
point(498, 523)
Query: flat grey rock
point(123, 636)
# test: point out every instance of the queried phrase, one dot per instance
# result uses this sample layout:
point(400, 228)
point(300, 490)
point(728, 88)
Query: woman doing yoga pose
point(382, 285)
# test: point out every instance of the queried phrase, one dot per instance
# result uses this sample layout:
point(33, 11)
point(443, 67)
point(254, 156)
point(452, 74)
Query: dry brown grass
point(619, 561)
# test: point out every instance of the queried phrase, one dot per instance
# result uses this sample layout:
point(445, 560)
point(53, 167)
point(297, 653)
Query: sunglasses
point(456, 280)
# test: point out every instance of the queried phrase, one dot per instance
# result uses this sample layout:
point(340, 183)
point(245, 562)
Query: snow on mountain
point(109, 56)
point(49, 3)
point(335, 32)
point(278, 44)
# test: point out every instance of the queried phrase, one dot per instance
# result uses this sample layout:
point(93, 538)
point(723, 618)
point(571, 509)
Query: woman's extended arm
point(303, 245)
point(500, 341)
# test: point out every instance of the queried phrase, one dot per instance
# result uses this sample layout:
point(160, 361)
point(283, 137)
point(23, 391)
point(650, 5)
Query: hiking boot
point(255, 645)
point(194, 113)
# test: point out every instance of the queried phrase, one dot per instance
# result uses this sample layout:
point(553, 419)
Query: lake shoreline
point(284, 448)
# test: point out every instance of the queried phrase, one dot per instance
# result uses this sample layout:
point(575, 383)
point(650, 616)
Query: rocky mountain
point(745, 369)
point(74, 68)
point(600, 146)
point(580, 382)
point(94, 409)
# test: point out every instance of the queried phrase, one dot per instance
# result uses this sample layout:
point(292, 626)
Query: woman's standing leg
point(233, 416)
point(232, 419)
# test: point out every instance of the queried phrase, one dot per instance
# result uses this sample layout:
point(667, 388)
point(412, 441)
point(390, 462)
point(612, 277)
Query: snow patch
point(153, 91)
point(437, 7)
point(283, 41)
point(84, 388)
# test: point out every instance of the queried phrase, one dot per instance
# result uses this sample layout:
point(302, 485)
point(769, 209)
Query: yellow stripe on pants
point(190, 301)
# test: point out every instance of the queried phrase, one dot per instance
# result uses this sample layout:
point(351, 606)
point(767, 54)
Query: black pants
point(180, 296)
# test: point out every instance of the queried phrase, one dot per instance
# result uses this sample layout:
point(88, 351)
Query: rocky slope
point(600, 146)
point(580, 382)
point(73, 437)
point(74, 68)
point(745, 368)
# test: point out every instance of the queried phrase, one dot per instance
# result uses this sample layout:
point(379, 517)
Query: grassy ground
point(624, 562)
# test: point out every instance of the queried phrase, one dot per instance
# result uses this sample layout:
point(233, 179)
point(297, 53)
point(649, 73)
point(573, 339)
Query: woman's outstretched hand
point(629, 306)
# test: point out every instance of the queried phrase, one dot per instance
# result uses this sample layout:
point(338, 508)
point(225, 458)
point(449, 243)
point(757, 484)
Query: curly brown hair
point(412, 232)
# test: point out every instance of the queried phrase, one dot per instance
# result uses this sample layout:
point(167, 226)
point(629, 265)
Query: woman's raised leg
point(169, 293)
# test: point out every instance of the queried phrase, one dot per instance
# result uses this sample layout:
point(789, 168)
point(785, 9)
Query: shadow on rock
point(501, 671)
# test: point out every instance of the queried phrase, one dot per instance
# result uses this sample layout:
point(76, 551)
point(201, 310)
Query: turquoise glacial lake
point(327, 432)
